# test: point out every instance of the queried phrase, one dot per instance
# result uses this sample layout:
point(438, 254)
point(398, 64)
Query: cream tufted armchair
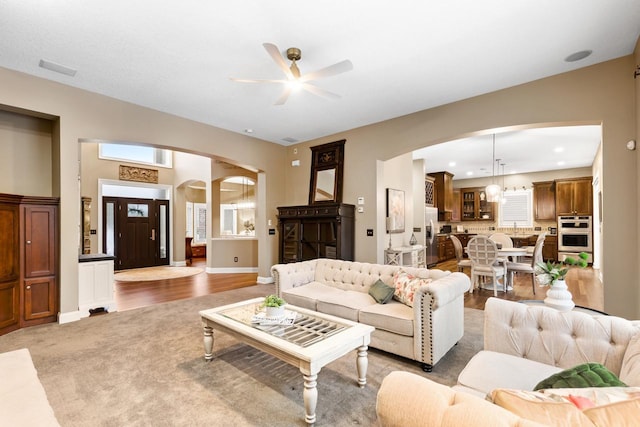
point(525, 344)
point(424, 332)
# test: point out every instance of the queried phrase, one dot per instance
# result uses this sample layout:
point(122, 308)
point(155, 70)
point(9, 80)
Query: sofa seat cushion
point(393, 317)
point(489, 370)
point(307, 296)
point(345, 304)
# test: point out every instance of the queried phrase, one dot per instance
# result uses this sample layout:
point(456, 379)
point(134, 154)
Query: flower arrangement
point(548, 272)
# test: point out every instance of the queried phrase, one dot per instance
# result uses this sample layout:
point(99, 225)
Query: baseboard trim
point(265, 280)
point(68, 317)
point(179, 263)
point(214, 270)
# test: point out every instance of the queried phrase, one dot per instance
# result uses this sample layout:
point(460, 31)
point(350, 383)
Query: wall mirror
point(326, 173)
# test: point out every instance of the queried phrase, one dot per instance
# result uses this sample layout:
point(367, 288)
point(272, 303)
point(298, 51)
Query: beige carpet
point(145, 367)
point(156, 273)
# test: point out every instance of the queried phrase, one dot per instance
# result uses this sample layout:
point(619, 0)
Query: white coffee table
point(311, 342)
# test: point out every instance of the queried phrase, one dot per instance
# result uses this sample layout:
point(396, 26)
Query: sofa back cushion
point(359, 276)
point(560, 339)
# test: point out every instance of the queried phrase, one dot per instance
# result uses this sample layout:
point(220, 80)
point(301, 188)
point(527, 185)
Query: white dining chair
point(459, 251)
point(527, 267)
point(502, 239)
point(483, 253)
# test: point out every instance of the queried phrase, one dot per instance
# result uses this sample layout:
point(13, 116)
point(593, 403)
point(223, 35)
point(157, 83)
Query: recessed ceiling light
point(561, 163)
point(248, 130)
point(577, 56)
point(452, 164)
point(469, 173)
point(558, 149)
point(58, 68)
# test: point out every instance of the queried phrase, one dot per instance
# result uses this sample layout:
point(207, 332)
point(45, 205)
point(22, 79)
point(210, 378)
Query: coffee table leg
point(362, 363)
point(310, 396)
point(208, 343)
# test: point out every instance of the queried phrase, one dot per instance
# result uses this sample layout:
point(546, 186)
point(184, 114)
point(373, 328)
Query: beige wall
point(600, 94)
point(26, 163)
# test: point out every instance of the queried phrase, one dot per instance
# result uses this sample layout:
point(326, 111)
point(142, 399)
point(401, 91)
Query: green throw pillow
point(586, 375)
point(381, 292)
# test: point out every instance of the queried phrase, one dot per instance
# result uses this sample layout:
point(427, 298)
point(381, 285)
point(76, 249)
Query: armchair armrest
point(289, 276)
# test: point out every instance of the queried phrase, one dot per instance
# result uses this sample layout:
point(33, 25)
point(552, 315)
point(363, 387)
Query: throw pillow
point(406, 286)
point(585, 375)
point(381, 292)
point(535, 406)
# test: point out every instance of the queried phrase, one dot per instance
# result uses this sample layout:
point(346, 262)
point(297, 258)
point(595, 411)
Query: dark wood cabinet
point(29, 270)
point(444, 194)
point(544, 201)
point(429, 191)
point(574, 196)
point(550, 248)
point(309, 232)
point(475, 206)
point(455, 214)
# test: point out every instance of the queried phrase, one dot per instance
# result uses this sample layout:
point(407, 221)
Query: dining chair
point(457, 246)
point(501, 238)
point(483, 253)
point(530, 249)
point(527, 267)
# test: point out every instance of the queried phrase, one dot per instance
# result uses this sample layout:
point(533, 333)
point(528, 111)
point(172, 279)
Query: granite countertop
point(95, 257)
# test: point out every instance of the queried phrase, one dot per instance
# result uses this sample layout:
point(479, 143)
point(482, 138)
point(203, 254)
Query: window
point(516, 208)
point(228, 220)
point(197, 222)
point(136, 154)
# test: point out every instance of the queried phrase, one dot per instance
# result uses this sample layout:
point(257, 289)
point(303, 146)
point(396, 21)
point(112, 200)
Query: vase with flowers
point(553, 274)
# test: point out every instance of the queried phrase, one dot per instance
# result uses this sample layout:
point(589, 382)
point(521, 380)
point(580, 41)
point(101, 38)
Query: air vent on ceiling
point(58, 68)
point(290, 140)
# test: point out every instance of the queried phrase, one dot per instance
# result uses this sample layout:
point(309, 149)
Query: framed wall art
point(395, 211)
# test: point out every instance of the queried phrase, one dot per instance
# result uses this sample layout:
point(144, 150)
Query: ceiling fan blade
point(285, 95)
point(331, 70)
point(320, 92)
point(273, 51)
point(257, 80)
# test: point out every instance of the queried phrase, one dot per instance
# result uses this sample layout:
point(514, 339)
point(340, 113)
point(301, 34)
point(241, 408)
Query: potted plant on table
point(553, 274)
point(274, 306)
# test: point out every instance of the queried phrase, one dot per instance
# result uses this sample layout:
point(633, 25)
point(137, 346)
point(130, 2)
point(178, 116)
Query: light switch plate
point(360, 209)
point(361, 200)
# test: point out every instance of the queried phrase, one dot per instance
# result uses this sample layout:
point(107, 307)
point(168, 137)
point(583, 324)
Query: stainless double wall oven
point(575, 235)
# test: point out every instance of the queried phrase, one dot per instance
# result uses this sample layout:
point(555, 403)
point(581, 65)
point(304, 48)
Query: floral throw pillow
point(406, 286)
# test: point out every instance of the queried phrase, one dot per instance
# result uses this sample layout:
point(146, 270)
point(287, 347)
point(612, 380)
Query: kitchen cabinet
point(544, 201)
point(574, 196)
point(429, 191)
point(446, 251)
point(28, 272)
point(444, 194)
point(316, 231)
point(455, 213)
point(475, 206)
point(550, 248)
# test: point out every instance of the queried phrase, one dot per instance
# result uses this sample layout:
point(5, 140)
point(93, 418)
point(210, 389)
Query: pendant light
point(504, 189)
point(493, 189)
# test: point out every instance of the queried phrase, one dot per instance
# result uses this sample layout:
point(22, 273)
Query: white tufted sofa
point(525, 344)
point(340, 288)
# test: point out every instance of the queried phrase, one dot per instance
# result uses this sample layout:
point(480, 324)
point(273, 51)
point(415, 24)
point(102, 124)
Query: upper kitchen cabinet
point(475, 206)
point(455, 215)
point(544, 201)
point(574, 196)
point(444, 194)
point(429, 191)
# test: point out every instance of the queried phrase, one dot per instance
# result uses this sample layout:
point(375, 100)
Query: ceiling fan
point(294, 78)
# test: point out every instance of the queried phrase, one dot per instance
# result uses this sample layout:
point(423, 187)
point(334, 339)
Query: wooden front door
point(136, 231)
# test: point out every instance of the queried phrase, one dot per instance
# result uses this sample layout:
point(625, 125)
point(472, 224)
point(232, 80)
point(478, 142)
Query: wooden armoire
point(29, 292)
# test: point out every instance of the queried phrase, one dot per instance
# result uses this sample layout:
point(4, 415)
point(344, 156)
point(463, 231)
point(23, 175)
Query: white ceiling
point(178, 56)
point(522, 151)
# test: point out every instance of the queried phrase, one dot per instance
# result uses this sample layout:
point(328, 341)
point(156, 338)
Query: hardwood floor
point(583, 284)
point(131, 295)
